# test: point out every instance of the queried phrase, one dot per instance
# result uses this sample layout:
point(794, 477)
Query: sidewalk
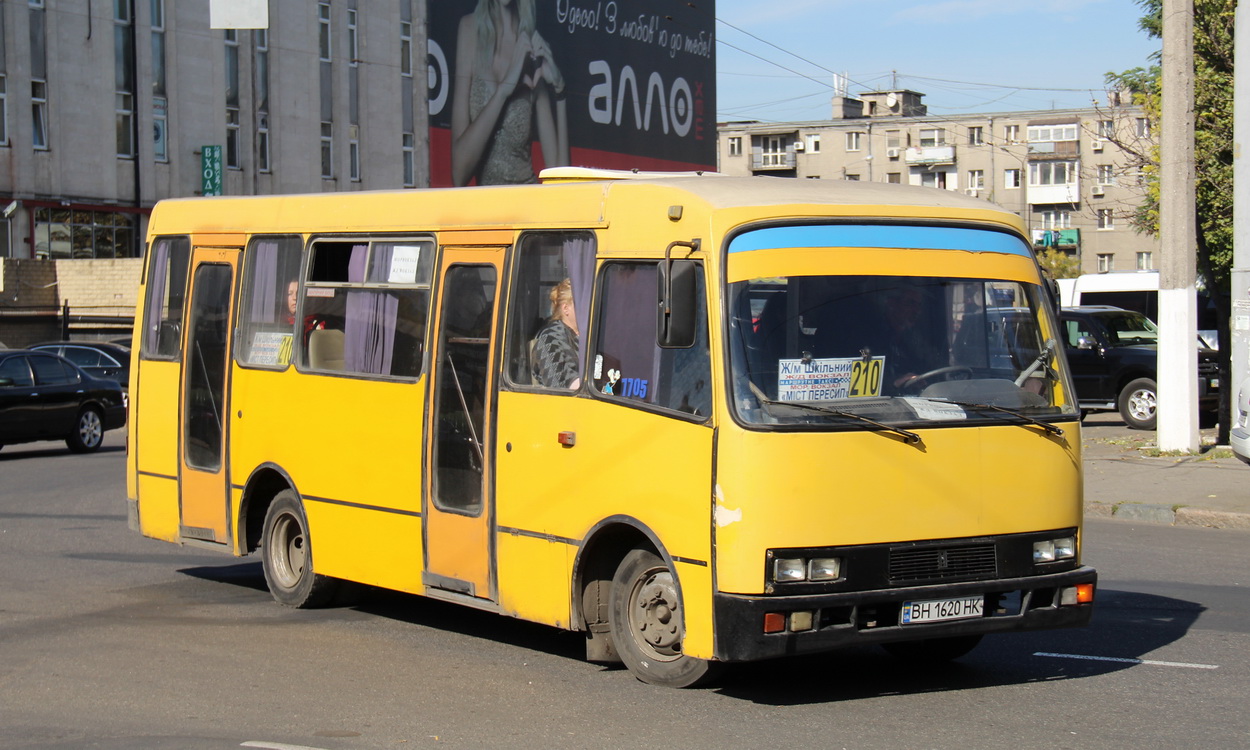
point(1124, 481)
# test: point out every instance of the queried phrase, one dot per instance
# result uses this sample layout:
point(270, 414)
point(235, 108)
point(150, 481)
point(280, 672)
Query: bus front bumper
point(822, 622)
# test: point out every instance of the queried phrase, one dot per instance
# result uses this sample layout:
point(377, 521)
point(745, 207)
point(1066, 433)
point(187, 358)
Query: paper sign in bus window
point(829, 379)
point(404, 259)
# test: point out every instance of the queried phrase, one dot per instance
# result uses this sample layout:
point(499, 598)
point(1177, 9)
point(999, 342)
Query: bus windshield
point(832, 352)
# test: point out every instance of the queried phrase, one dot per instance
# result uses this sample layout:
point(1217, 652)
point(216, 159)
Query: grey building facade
point(1073, 175)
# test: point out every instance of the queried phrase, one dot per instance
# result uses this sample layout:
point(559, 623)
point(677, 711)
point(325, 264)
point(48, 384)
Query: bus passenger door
point(459, 508)
point(205, 501)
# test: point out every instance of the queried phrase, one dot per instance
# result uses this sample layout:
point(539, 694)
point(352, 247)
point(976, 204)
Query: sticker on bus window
point(404, 259)
point(829, 379)
point(270, 348)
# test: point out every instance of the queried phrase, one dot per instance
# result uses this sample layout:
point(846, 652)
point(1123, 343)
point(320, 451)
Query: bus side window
point(267, 310)
point(628, 363)
point(166, 288)
point(544, 261)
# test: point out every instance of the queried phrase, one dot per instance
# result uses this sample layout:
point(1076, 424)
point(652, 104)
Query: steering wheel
point(947, 372)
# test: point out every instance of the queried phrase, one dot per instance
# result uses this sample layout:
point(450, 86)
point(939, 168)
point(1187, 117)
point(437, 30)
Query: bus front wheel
point(648, 623)
point(286, 550)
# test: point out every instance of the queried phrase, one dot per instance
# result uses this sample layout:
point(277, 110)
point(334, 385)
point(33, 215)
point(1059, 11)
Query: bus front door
point(459, 497)
point(205, 501)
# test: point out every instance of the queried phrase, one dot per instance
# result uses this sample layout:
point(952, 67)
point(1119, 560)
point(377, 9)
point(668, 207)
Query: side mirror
point(1086, 342)
point(675, 324)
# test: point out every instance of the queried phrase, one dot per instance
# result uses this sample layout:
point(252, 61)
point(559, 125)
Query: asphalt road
point(112, 641)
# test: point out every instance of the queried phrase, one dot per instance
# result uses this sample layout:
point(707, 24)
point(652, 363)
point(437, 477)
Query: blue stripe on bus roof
point(880, 235)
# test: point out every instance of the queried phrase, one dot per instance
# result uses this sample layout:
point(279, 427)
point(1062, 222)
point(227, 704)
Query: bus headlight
point(787, 570)
point(824, 569)
point(1052, 550)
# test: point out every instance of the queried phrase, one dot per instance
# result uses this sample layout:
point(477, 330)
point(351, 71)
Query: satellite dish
point(891, 100)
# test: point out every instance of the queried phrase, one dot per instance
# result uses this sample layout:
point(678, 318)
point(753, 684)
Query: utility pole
point(1239, 326)
point(1178, 307)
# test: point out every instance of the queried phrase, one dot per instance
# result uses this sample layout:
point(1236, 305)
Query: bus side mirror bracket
point(675, 326)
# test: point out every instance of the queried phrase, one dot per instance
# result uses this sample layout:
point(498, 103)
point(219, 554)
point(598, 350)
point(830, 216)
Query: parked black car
point(96, 358)
point(45, 397)
point(1113, 354)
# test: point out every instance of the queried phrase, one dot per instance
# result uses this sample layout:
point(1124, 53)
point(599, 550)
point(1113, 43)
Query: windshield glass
point(833, 351)
point(1130, 328)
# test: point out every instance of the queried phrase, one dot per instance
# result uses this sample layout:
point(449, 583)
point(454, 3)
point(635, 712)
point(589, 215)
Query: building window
point(1106, 174)
point(232, 139)
point(813, 144)
point(353, 39)
point(1011, 133)
point(893, 139)
point(405, 49)
point(933, 180)
point(4, 104)
point(894, 178)
point(854, 141)
point(735, 146)
point(1052, 133)
point(410, 160)
point(74, 233)
point(1104, 262)
point(123, 79)
point(1056, 219)
point(976, 179)
point(39, 114)
point(323, 39)
point(1105, 219)
point(1143, 127)
point(233, 144)
point(1106, 128)
point(262, 142)
point(1011, 178)
point(851, 177)
point(353, 152)
point(976, 136)
point(1052, 173)
point(773, 152)
point(1145, 260)
point(930, 137)
point(327, 150)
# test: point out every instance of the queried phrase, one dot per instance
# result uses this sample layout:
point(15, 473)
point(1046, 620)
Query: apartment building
point(108, 107)
point(1073, 175)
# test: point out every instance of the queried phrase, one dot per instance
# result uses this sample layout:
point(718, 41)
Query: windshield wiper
point(908, 436)
point(1024, 418)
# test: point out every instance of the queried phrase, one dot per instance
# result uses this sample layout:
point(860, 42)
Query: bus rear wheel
point(286, 550)
point(647, 623)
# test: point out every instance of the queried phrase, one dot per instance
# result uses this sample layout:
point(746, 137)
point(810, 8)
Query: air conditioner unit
point(974, 192)
point(798, 146)
point(1096, 191)
point(892, 153)
point(1096, 145)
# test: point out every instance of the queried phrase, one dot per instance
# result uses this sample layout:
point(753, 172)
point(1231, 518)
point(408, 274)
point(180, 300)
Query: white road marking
point(277, 746)
point(1151, 662)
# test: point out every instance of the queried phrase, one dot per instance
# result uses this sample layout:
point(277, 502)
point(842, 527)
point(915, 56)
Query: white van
point(1131, 290)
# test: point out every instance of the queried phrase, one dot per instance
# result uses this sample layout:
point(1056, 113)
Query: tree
point(1059, 265)
point(1213, 155)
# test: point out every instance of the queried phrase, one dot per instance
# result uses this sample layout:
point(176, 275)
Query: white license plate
point(936, 610)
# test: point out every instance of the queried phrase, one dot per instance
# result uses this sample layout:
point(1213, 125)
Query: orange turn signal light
point(1084, 593)
point(774, 622)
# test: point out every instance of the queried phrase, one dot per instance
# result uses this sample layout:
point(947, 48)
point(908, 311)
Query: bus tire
point(647, 622)
point(933, 650)
point(286, 550)
point(88, 432)
point(1138, 404)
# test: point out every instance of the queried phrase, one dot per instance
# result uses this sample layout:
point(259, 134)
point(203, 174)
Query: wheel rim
point(654, 616)
point(90, 431)
point(1141, 404)
point(289, 550)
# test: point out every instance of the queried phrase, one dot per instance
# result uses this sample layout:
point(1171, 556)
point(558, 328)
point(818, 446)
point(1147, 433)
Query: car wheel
point(647, 622)
point(286, 552)
point(933, 650)
point(1138, 404)
point(88, 431)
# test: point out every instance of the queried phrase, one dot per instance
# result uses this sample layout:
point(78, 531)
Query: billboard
point(518, 85)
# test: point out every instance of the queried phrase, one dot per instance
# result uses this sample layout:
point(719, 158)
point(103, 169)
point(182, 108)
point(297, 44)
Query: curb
point(1167, 515)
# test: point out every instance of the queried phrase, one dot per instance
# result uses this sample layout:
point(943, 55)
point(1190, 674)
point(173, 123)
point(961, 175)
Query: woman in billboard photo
point(507, 89)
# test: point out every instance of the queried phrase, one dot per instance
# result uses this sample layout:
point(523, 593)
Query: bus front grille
point(915, 564)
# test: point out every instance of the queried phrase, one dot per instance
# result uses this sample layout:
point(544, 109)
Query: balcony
point(926, 156)
point(1060, 239)
point(1054, 150)
point(769, 161)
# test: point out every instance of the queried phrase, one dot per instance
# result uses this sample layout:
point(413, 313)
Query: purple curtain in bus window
point(579, 259)
point(156, 297)
point(369, 331)
point(265, 287)
point(629, 322)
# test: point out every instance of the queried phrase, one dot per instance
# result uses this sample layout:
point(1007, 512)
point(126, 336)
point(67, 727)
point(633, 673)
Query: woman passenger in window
point(554, 354)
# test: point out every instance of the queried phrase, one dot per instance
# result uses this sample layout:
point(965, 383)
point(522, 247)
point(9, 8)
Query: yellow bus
point(700, 419)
